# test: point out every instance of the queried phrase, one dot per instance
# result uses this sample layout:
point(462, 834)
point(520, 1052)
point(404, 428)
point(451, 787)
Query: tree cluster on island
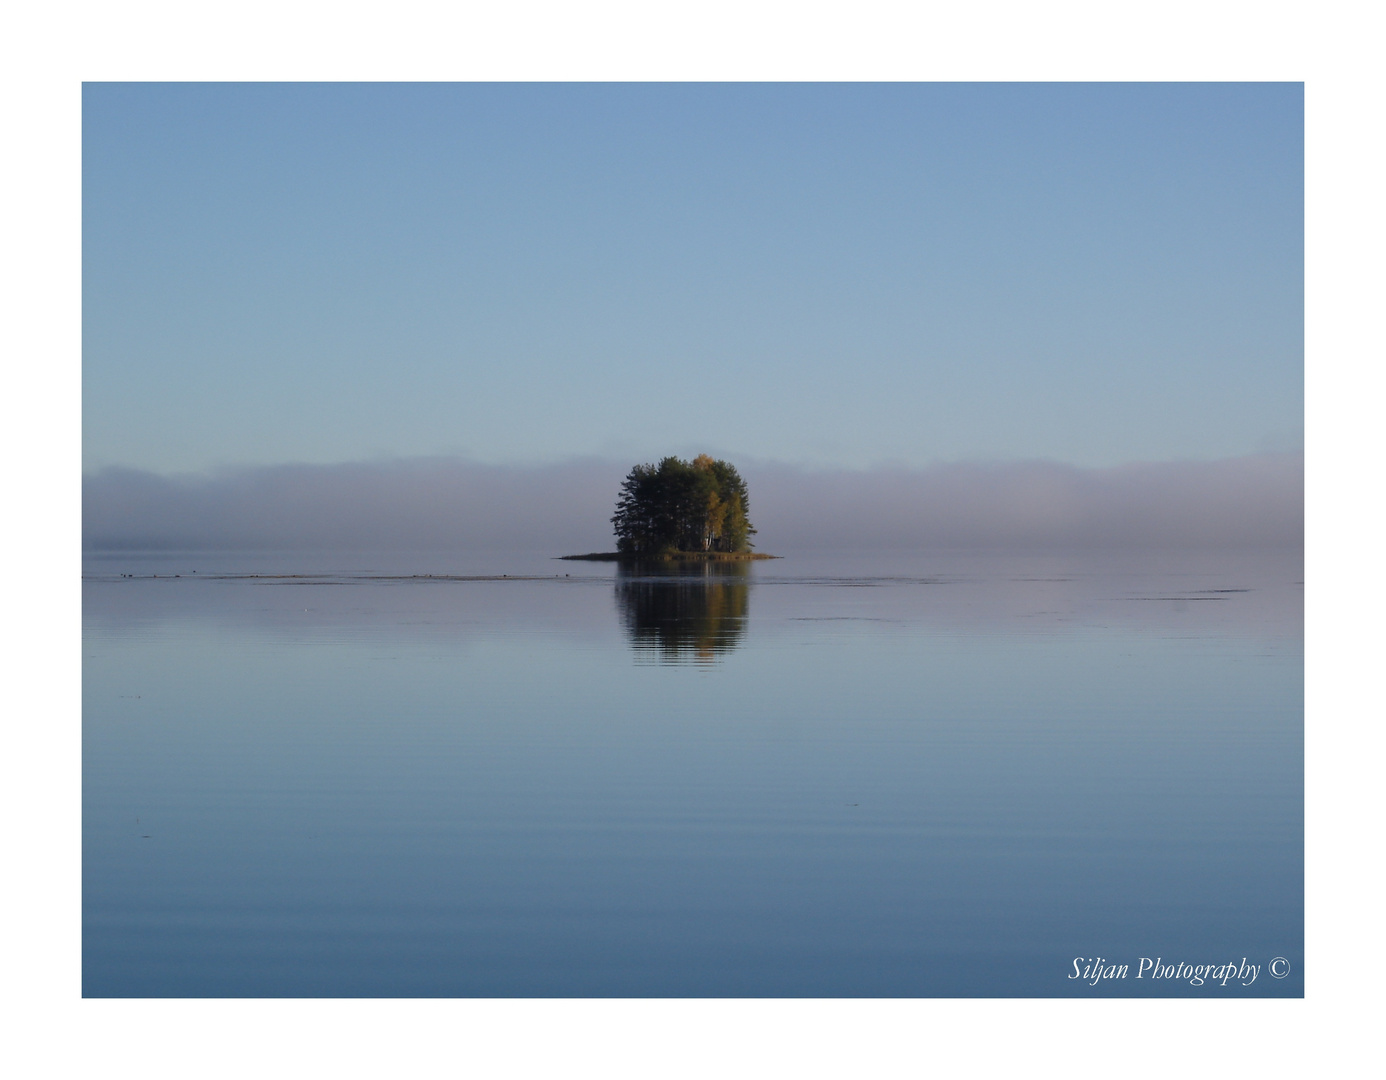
point(683, 506)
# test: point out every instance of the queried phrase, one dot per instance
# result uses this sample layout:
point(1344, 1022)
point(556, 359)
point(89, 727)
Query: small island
point(682, 511)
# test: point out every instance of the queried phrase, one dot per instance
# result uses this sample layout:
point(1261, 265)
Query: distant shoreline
point(673, 556)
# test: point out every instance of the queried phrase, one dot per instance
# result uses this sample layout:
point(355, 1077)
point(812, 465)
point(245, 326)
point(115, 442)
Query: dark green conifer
point(698, 505)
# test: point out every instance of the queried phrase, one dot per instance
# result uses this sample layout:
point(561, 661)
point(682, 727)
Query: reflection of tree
point(687, 613)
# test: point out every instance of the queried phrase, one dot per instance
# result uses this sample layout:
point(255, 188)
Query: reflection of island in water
point(684, 612)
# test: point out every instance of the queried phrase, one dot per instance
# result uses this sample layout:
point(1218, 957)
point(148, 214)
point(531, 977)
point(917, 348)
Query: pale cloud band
point(444, 503)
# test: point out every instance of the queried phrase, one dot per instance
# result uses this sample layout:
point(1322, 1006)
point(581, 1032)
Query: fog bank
point(445, 503)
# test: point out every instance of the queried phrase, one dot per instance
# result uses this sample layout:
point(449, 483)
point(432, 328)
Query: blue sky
point(832, 274)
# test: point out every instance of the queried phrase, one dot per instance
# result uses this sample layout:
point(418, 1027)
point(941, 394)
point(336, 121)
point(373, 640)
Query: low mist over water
point(440, 503)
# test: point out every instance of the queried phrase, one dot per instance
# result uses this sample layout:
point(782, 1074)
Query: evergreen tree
point(698, 505)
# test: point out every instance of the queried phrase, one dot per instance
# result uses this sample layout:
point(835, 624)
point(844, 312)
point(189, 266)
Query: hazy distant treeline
point(441, 503)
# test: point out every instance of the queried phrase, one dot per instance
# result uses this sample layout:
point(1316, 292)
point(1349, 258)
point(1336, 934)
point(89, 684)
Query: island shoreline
point(672, 556)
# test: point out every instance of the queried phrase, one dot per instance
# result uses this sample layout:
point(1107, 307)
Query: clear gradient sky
point(830, 274)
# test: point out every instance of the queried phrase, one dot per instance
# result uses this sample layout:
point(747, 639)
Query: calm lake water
point(895, 775)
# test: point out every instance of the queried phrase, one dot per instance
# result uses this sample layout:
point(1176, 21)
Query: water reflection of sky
point(934, 779)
